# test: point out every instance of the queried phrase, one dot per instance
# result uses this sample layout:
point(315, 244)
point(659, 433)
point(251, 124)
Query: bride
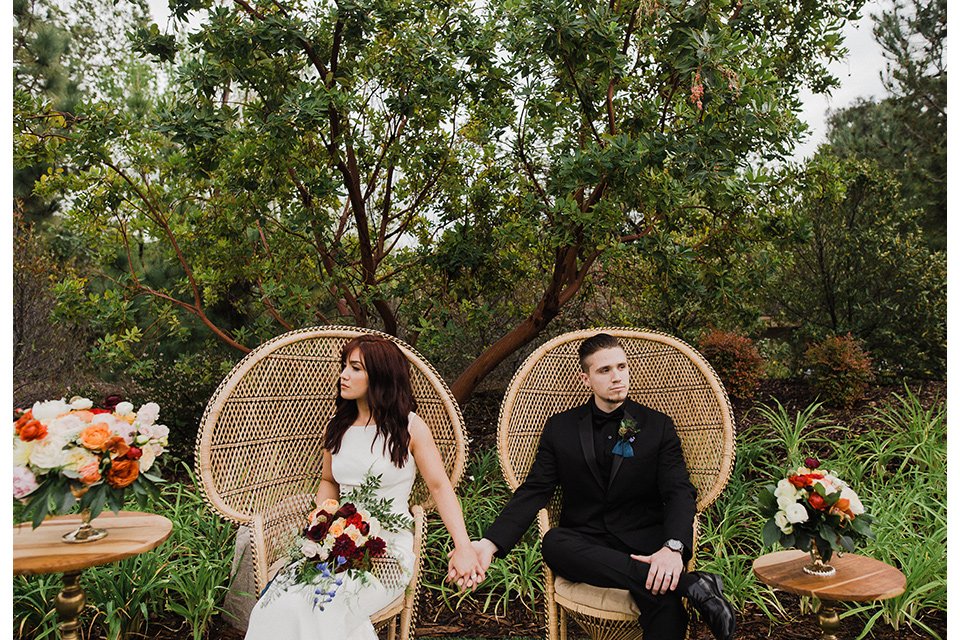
point(374, 432)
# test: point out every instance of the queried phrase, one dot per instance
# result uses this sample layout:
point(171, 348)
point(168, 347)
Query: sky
point(859, 75)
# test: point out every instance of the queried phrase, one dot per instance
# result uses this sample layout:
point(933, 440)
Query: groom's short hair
point(593, 344)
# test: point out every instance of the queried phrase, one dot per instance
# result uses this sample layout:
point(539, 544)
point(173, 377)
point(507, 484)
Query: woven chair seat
point(610, 604)
point(259, 450)
point(666, 374)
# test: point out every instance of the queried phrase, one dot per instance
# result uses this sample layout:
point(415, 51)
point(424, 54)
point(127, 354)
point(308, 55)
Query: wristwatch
point(674, 545)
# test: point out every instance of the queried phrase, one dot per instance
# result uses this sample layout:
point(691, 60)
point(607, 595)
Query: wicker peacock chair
point(666, 374)
point(259, 451)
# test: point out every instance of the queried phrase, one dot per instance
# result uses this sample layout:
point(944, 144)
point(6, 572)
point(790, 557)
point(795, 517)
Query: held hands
point(665, 568)
point(468, 567)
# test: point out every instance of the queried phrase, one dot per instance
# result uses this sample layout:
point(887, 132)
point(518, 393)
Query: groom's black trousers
point(604, 561)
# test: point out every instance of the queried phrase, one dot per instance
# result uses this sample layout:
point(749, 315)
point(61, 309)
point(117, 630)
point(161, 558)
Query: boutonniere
point(628, 432)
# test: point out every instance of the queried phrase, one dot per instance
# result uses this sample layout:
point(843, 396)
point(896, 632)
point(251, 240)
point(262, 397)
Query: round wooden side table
point(858, 579)
point(41, 550)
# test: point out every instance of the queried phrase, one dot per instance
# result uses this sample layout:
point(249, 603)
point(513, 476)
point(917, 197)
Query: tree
point(907, 132)
point(397, 164)
point(865, 268)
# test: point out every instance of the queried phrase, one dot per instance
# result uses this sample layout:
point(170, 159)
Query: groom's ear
point(584, 379)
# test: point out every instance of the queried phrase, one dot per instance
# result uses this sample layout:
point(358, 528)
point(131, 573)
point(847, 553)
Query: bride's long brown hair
point(389, 396)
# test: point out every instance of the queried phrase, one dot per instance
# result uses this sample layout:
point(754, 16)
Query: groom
point(626, 520)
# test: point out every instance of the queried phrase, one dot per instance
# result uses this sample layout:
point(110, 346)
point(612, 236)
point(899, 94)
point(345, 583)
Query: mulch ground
point(436, 620)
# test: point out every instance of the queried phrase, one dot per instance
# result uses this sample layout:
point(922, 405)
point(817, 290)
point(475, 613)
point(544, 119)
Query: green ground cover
point(898, 469)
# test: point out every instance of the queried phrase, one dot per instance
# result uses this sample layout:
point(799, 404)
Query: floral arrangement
point(628, 433)
point(340, 537)
point(814, 511)
point(63, 450)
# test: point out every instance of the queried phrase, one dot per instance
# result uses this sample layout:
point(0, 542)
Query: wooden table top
point(858, 578)
point(41, 550)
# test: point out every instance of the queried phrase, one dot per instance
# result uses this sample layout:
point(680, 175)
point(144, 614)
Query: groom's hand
point(665, 569)
point(485, 550)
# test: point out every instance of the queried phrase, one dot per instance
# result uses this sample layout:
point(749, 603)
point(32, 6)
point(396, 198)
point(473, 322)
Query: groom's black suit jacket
point(648, 499)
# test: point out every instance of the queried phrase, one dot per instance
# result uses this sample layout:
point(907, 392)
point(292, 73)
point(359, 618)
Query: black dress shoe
point(706, 595)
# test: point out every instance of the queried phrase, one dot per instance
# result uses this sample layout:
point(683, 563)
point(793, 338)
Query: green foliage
point(898, 470)
point(839, 369)
point(433, 169)
point(188, 574)
point(864, 269)
point(736, 360)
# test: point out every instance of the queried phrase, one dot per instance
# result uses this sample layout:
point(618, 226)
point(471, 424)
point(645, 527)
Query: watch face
point(674, 545)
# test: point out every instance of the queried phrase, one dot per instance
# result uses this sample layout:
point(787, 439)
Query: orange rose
point(26, 417)
point(94, 436)
point(90, 473)
point(33, 430)
point(121, 473)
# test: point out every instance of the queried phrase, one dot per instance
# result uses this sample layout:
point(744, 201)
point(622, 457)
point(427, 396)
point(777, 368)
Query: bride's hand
point(465, 568)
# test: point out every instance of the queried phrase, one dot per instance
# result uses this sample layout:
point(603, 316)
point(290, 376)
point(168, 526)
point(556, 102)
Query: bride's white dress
point(291, 615)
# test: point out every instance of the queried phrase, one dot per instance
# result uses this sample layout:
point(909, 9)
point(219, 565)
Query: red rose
point(345, 511)
point(355, 520)
point(811, 463)
point(818, 502)
point(364, 528)
point(99, 411)
point(800, 481)
point(317, 531)
point(33, 430)
point(110, 402)
point(134, 453)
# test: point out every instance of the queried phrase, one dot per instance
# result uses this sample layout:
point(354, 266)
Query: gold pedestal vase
point(85, 532)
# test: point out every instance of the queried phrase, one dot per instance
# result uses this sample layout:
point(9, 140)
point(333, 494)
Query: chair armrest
point(272, 531)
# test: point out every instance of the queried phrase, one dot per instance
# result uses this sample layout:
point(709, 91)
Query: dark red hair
point(389, 396)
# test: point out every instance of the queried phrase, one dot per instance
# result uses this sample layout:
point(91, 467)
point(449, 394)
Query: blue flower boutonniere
point(628, 432)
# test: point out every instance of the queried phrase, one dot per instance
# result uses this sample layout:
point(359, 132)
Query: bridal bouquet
point(342, 536)
point(813, 511)
point(65, 450)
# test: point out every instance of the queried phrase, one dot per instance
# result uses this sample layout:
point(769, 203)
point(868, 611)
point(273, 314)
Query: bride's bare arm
point(465, 566)
point(328, 489)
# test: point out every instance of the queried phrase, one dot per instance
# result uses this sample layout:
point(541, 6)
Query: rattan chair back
point(666, 374)
point(261, 436)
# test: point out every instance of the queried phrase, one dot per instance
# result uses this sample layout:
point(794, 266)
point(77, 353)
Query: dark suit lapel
point(617, 460)
point(585, 427)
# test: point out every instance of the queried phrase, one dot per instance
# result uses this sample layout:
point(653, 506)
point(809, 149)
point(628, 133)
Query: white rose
point(309, 548)
point(68, 427)
point(785, 488)
point(124, 408)
point(783, 502)
point(76, 458)
point(783, 523)
point(155, 431)
point(21, 452)
point(46, 411)
point(374, 531)
point(80, 404)
point(856, 507)
point(796, 513)
point(148, 413)
point(48, 453)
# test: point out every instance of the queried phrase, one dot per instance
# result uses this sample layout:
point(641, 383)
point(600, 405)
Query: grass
point(899, 471)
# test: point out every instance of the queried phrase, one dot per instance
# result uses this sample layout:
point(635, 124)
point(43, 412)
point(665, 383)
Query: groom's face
point(608, 376)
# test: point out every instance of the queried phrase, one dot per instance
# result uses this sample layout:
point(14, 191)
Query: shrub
point(839, 369)
point(735, 359)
